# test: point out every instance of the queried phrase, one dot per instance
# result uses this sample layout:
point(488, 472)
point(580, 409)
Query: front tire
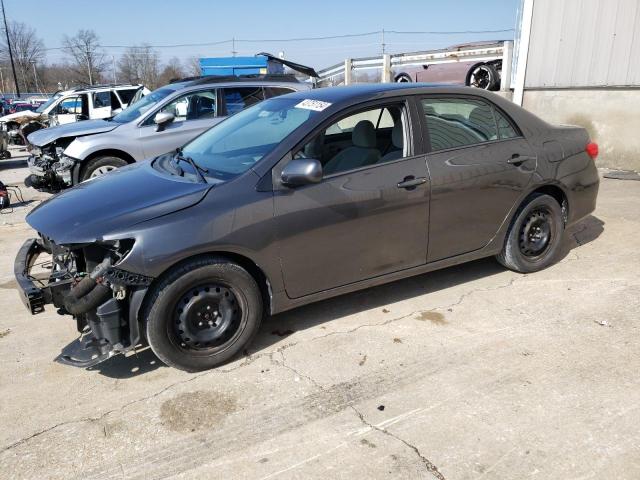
point(101, 165)
point(535, 235)
point(203, 313)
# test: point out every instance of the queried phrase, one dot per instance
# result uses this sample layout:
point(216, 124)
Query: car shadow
point(279, 326)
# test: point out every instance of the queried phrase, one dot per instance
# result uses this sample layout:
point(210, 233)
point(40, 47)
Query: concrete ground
point(467, 373)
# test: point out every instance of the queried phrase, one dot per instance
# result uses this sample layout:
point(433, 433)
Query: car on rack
point(160, 122)
point(297, 199)
point(484, 74)
point(68, 106)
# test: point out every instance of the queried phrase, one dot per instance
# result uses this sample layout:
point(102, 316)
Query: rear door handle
point(517, 159)
point(411, 182)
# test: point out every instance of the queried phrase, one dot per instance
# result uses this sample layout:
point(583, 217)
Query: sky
point(160, 22)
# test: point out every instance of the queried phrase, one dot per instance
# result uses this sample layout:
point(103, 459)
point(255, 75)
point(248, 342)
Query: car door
point(100, 104)
point(479, 164)
point(194, 112)
point(69, 110)
point(366, 218)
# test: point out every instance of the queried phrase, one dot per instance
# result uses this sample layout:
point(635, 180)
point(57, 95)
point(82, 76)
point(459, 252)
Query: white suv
point(81, 103)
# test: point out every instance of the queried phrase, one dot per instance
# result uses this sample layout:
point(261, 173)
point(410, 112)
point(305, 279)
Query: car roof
point(233, 81)
point(364, 90)
point(91, 88)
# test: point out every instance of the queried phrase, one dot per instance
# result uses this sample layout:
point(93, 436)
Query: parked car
point(21, 107)
point(297, 199)
point(162, 121)
point(81, 103)
point(472, 73)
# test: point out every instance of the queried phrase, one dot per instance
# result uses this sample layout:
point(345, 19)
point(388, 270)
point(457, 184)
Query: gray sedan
point(297, 199)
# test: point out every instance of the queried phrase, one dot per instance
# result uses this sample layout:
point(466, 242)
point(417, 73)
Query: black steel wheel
point(207, 317)
point(202, 313)
point(535, 233)
point(534, 236)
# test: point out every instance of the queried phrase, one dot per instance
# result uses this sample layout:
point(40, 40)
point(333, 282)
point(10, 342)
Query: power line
point(302, 39)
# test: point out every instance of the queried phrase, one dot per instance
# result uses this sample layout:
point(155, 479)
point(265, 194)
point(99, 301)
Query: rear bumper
point(33, 296)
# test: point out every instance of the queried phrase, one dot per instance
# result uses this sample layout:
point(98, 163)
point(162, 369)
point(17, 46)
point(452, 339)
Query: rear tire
point(203, 313)
point(101, 165)
point(484, 76)
point(535, 235)
point(403, 78)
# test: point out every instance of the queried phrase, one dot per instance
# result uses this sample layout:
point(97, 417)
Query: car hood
point(110, 203)
point(45, 136)
point(21, 116)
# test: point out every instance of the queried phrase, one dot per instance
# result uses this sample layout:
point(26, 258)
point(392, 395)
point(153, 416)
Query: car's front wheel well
point(558, 194)
point(249, 265)
point(111, 153)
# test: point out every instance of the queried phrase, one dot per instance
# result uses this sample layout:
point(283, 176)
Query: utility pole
point(383, 44)
point(233, 47)
point(35, 75)
point(113, 66)
point(13, 67)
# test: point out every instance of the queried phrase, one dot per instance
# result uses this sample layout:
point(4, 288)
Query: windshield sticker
point(315, 105)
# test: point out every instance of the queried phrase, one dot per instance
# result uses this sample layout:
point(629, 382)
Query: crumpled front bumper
point(34, 297)
point(36, 292)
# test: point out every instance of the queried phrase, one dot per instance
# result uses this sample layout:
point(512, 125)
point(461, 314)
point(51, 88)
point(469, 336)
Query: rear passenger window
point(127, 95)
point(101, 99)
point(504, 127)
point(458, 122)
point(239, 98)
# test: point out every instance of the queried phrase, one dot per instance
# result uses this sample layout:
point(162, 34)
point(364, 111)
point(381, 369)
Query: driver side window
point(71, 105)
point(369, 137)
point(193, 106)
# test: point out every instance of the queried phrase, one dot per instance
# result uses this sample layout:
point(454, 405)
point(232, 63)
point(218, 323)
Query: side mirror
point(162, 119)
point(303, 171)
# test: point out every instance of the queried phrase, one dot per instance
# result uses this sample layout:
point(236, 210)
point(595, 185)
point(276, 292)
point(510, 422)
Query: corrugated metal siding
point(584, 43)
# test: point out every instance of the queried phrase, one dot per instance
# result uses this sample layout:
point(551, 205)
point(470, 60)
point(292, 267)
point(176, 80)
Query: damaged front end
point(84, 281)
point(50, 170)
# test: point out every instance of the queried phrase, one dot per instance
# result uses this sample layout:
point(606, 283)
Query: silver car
point(163, 120)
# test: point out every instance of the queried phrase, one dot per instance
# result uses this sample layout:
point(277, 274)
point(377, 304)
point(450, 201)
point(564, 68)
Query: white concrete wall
point(612, 117)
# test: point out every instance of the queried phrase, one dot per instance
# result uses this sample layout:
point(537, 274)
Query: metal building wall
point(584, 43)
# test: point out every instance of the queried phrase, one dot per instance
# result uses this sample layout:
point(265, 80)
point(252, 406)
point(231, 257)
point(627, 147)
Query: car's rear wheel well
point(558, 194)
point(249, 265)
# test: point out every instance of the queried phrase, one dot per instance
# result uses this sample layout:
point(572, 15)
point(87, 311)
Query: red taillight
point(592, 149)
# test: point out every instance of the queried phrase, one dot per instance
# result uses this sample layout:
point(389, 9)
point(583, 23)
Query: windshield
point(136, 109)
point(46, 104)
point(236, 144)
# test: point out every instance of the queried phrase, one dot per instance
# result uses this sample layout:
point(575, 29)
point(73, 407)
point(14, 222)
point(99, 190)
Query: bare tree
point(87, 57)
point(140, 64)
point(193, 67)
point(28, 51)
point(172, 71)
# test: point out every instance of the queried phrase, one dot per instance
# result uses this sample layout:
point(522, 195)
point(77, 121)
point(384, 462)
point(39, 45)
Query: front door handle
point(411, 182)
point(517, 159)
